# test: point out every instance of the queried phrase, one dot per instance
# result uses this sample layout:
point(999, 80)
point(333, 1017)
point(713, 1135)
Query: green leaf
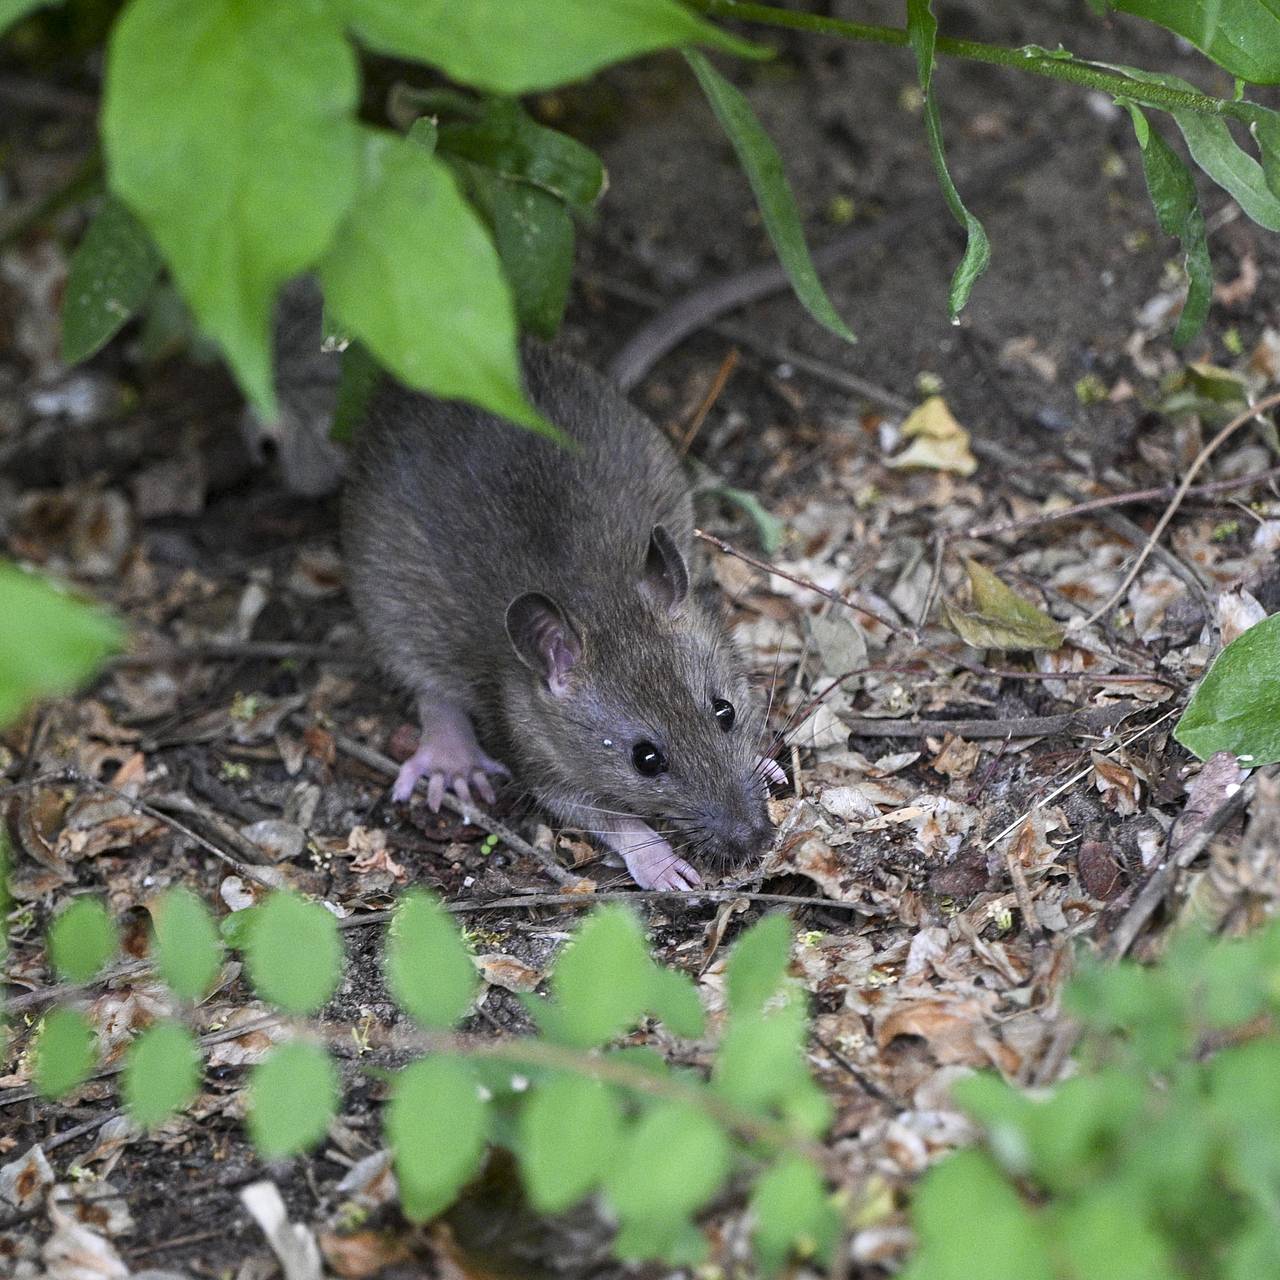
point(1000, 618)
point(293, 1095)
point(13, 10)
point(964, 1211)
point(761, 1059)
point(603, 981)
point(229, 130)
point(413, 275)
point(1100, 1242)
point(429, 969)
point(505, 139)
point(673, 1000)
point(437, 1125)
point(1241, 36)
point(1212, 147)
point(161, 1073)
point(49, 642)
point(236, 928)
point(533, 234)
point(569, 1131)
point(1236, 707)
point(536, 44)
point(293, 954)
point(922, 29)
point(81, 940)
point(357, 381)
point(792, 1213)
point(763, 166)
point(66, 1052)
point(1267, 131)
point(1173, 196)
point(671, 1163)
point(188, 949)
point(111, 274)
point(676, 1242)
point(757, 964)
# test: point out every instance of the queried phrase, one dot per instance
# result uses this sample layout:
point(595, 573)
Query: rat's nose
point(746, 837)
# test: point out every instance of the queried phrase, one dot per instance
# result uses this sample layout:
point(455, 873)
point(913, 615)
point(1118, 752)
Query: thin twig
point(995, 528)
point(1089, 721)
point(1269, 402)
point(234, 650)
point(714, 392)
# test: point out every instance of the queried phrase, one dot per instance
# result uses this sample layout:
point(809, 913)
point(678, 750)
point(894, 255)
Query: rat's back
point(450, 513)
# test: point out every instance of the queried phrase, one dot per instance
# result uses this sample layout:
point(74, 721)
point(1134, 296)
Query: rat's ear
point(666, 576)
point(543, 638)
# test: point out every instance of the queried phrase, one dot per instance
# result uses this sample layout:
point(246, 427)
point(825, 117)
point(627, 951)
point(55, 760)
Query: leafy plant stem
point(1078, 73)
point(525, 1052)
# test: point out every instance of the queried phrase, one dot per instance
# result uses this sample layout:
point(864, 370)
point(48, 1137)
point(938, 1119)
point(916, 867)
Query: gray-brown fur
point(450, 514)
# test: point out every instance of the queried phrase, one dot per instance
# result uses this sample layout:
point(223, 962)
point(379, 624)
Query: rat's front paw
point(448, 768)
point(659, 867)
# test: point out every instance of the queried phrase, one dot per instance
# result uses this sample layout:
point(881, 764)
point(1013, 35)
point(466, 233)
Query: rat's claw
point(435, 792)
point(771, 771)
point(462, 790)
point(484, 788)
point(677, 876)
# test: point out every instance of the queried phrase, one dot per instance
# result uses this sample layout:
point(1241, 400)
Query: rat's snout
point(744, 836)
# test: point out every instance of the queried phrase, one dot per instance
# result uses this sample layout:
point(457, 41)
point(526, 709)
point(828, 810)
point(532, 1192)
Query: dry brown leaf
point(938, 441)
point(363, 1253)
point(1118, 785)
point(956, 758)
point(505, 971)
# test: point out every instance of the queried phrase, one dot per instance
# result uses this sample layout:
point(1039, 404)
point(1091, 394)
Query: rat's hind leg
point(448, 756)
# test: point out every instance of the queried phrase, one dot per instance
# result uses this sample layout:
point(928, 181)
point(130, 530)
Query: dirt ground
point(956, 870)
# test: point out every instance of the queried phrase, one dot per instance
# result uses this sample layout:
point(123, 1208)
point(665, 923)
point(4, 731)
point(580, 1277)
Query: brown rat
point(535, 600)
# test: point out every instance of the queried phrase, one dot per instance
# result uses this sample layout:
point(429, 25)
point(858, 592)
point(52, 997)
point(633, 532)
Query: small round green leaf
point(1237, 705)
point(437, 1125)
point(761, 1058)
point(65, 1052)
point(792, 1212)
point(293, 1094)
point(757, 964)
point(569, 1129)
point(188, 950)
point(429, 969)
point(671, 1163)
point(603, 981)
point(674, 1001)
point(161, 1074)
point(81, 940)
point(294, 956)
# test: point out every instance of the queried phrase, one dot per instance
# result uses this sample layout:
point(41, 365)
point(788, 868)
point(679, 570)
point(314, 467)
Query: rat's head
point(642, 709)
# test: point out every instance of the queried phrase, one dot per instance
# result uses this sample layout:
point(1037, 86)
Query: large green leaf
point(503, 137)
point(792, 1212)
point(1237, 705)
point(66, 1051)
point(293, 953)
point(602, 983)
point(671, 1163)
point(1173, 196)
point(569, 1131)
point(414, 276)
point(1242, 36)
point(111, 274)
point(12, 10)
point(81, 940)
point(293, 1094)
point(429, 969)
point(763, 166)
point(757, 964)
point(187, 947)
point(533, 44)
point(49, 642)
point(761, 1059)
point(161, 1074)
point(533, 233)
point(922, 28)
point(229, 130)
point(437, 1125)
point(965, 1211)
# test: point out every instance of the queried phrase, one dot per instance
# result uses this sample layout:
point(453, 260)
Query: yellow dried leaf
point(938, 441)
point(1000, 618)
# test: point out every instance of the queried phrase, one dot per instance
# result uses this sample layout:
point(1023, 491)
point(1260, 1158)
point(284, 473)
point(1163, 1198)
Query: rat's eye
point(724, 713)
point(648, 759)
